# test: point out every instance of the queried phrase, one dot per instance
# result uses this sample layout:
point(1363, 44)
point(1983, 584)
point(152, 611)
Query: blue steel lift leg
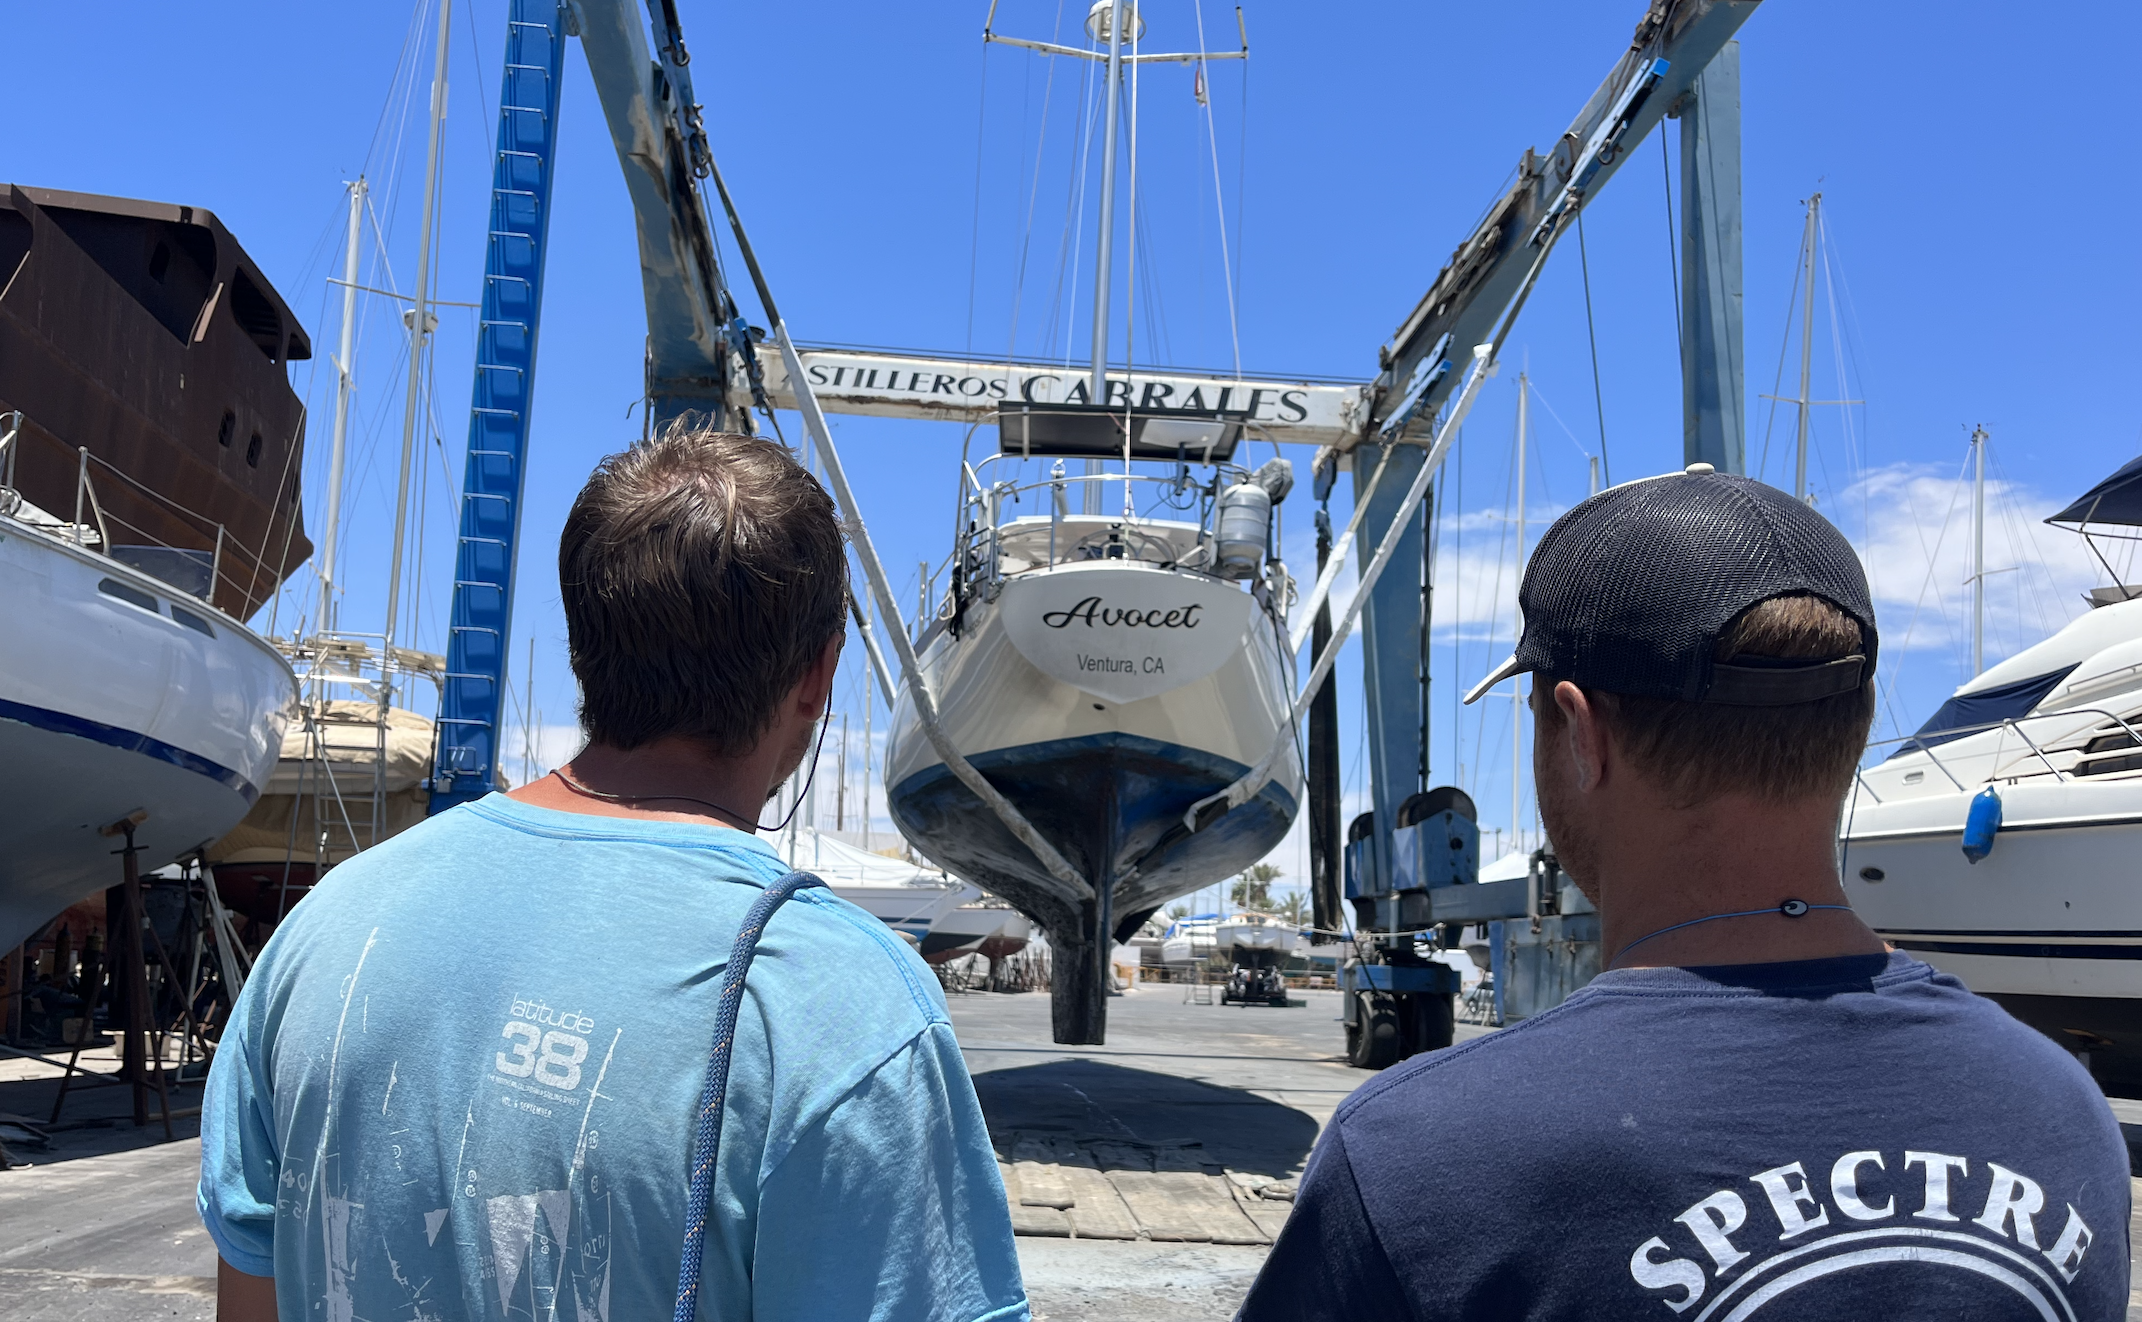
point(1713, 400)
point(471, 711)
point(1390, 644)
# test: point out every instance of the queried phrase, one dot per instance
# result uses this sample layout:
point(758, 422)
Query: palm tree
point(1254, 889)
point(1294, 908)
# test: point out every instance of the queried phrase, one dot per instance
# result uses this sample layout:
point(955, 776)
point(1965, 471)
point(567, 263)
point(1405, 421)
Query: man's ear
point(1583, 736)
point(817, 684)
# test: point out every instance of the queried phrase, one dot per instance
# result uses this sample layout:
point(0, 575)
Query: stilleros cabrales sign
point(903, 386)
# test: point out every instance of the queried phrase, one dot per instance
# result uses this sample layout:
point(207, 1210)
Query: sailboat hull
point(1103, 735)
point(110, 704)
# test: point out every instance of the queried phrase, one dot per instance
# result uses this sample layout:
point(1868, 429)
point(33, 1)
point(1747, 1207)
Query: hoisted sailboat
point(1105, 672)
point(1105, 669)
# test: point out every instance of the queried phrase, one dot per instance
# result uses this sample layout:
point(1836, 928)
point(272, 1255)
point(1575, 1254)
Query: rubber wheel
point(1429, 1023)
point(1372, 1039)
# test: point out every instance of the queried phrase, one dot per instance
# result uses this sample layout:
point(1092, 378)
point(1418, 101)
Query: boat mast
point(343, 386)
point(1978, 551)
point(1807, 336)
point(419, 328)
point(1517, 686)
point(1103, 275)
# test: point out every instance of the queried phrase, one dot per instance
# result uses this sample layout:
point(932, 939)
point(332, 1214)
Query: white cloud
point(553, 747)
point(1912, 526)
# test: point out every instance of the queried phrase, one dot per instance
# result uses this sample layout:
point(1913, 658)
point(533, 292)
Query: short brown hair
point(702, 573)
point(1697, 750)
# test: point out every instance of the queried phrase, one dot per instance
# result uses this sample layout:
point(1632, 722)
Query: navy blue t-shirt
point(1837, 1138)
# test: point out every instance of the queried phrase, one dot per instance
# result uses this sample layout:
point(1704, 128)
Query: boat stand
point(132, 966)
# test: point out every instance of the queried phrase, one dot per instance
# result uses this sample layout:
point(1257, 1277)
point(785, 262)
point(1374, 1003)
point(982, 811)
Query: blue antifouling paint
point(1981, 824)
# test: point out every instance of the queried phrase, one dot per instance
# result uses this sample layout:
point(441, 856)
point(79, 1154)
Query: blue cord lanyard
point(1789, 909)
point(706, 1142)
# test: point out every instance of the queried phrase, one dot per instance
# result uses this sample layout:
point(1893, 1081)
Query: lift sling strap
point(706, 1142)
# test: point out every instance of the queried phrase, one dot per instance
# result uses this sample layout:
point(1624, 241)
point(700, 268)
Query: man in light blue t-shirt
point(461, 1080)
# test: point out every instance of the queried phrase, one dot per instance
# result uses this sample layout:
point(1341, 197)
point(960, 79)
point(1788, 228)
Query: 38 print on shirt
point(544, 1044)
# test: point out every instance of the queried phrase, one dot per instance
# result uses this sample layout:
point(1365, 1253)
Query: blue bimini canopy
point(1968, 713)
point(2117, 499)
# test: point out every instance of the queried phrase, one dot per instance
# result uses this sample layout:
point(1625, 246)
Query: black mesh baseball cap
point(1630, 591)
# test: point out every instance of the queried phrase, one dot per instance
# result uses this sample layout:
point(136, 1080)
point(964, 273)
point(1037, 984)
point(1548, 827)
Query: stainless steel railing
point(2015, 723)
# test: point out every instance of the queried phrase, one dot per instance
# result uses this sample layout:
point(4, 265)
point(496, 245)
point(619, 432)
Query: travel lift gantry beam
point(1409, 862)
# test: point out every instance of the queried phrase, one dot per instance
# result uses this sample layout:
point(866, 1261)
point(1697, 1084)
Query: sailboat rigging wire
point(1219, 202)
point(814, 422)
point(1502, 543)
point(1033, 197)
point(1241, 163)
point(974, 238)
point(1854, 454)
point(1792, 303)
point(1932, 567)
point(1606, 471)
point(1673, 251)
point(1067, 246)
point(1574, 442)
point(1340, 549)
point(1214, 806)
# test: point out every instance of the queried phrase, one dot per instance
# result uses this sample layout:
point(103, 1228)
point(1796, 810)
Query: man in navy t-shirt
point(1758, 1111)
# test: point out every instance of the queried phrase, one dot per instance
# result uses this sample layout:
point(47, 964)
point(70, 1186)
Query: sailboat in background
point(355, 766)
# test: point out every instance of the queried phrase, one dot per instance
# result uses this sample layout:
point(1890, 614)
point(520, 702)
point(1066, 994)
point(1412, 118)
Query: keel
point(1078, 986)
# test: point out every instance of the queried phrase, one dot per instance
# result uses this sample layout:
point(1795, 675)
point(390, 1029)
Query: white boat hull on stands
point(908, 899)
point(118, 694)
point(1238, 936)
point(971, 929)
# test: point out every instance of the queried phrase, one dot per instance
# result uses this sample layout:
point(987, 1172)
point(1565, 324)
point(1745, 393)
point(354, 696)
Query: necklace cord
point(734, 818)
point(1789, 909)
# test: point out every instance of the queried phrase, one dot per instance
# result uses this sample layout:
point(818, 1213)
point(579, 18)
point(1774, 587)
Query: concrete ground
point(100, 1225)
point(1252, 1085)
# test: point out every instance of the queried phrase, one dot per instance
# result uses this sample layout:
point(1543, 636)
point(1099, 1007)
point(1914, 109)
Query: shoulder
point(1499, 1066)
point(843, 954)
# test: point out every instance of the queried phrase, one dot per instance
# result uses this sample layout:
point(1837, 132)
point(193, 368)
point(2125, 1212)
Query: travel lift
point(1410, 865)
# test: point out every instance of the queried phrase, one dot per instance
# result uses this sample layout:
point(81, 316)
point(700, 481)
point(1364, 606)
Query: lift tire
point(1372, 1041)
point(1428, 1021)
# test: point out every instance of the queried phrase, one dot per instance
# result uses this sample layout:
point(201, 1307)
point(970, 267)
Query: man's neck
point(1731, 855)
point(667, 780)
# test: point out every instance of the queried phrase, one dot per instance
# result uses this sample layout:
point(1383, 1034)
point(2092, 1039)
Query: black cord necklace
point(734, 818)
point(1789, 909)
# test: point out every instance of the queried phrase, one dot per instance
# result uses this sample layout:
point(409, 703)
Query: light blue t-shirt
point(460, 1084)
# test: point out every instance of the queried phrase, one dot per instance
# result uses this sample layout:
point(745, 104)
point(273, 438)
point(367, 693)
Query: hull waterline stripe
point(2084, 934)
point(2021, 950)
point(81, 727)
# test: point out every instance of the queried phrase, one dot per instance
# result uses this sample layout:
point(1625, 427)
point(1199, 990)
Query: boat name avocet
point(1142, 633)
point(1087, 611)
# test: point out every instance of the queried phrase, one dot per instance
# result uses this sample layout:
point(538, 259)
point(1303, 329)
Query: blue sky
point(887, 164)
